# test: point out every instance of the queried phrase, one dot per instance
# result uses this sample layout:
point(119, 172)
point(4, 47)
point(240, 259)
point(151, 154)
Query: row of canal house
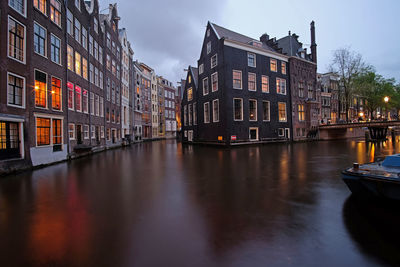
point(248, 90)
point(66, 79)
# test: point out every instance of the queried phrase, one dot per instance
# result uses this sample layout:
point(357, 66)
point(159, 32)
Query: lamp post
point(386, 100)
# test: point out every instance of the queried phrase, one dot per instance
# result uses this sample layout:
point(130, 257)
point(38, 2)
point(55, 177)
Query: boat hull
point(367, 186)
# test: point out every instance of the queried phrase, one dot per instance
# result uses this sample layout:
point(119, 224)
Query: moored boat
point(379, 179)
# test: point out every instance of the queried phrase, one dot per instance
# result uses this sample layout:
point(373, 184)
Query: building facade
point(154, 106)
point(169, 108)
point(137, 101)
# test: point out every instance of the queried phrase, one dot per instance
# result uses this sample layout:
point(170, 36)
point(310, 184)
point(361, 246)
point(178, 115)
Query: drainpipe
point(66, 81)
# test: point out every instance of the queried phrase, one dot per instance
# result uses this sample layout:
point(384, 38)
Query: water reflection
point(164, 204)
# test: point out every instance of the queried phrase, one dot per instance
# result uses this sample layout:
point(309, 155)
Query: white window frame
point(269, 110)
point(276, 64)
point(283, 64)
point(209, 47)
point(213, 65)
point(253, 100)
point(265, 76)
point(60, 54)
point(278, 90)
point(215, 74)
point(257, 137)
point(279, 120)
point(241, 80)
point(201, 69)
point(25, 7)
point(255, 81)
point(214, 115)
point(73, 131)
point(8, 40)
point(23, 91)
point(47, 89)
point(204, 112)
point(86, 132)
point(205, 81)
point(233, 108)
point(248, 62)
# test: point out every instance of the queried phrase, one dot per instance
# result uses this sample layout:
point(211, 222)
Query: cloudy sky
point(167, 35)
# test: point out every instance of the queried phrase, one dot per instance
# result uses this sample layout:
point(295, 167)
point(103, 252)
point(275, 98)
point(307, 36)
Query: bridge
point(377, 130)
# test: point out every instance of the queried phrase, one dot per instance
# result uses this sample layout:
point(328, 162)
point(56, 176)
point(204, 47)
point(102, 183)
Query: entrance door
point(190, 136)
point(287, 133)
point(9, 140)
point(253, 134)
point(79, 134)
point(113, 136)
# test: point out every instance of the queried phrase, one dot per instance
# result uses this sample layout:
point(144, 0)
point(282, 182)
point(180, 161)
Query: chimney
point(313, 44)
point(264, 38)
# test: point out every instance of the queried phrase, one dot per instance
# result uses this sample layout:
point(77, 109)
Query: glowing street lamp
point(386, 99)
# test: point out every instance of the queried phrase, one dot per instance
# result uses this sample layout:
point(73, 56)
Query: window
point(214, 82)
point(39, 39)
point(190, 115)
point(282, 111)
point(214, 60)
point(55, 12)
point(78, 98)
point(84, 68)
point(41, 5)
point(252, 82)
point(70, 23)
point(78, 4)
point(273, 65)
point(96, 76)
point(281, 86)
point(55, 49)
point(300, 109)
point(237, 79)
point(237, 109)
point(93, 131)
point(194, 114)
point(108, 40)
point(90, 44)
point(70, 58)
point(40, 89)
point(265, 84)
point(190, 94)
point(310, 91)
point(71, 131)
point(9, 140)
point(43, 131)
point(101, 79)
point(101, 107)
point(215, 110)
point(96, 50)
point(91, 103)
point(85, 101)
point(301, 89)
point(283, 67)
point(18, 5)
point(100, 55)
point(57, 133)
point(102, 131)
point(78, 63)
point(16, 40)
point(55, 93)
point(16, 90)
point(251, 60)
point(96, 25)
point(108, 89)
point(205, 86)
point(108, 115)
point(208, 48)
point(266, 113)
point(207, 112)
point(113, 69)
point(97, 105)
point(201, 68)
point(252, 110)
point(77, 27)
point(84, 37)
point(208, 33)
point(86, 131)
point(70, 87)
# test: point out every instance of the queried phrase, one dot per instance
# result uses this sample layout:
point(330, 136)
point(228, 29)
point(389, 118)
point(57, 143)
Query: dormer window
point(255, 43)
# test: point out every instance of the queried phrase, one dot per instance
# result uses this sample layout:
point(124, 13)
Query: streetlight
point(386, 100)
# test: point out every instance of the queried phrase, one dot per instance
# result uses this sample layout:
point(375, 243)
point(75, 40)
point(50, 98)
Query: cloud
point(167, 35)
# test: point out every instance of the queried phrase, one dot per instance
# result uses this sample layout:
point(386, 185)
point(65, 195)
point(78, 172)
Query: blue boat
point(379, 179)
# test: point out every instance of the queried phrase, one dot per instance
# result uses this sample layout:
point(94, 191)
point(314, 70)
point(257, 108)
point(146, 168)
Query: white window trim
point(255, 100)
point(84, 127)
point(51, 117)
point(73, 96)
point(209, 46)
point(215, 101)
point(266, 76)
point(241, 100)
point(269, 110)
point(255, 81)
point(204, 112)
point(23, 94)
point(60, 56)
point(216, 60)
point(206, 78)
point(284, 63)
point(25, 7)
point(45, 41)
point(73, 137)
point(255, 60)
point(276, 64)
point(47, 89)
point(201, 69)
point(278, 89)
point(241, 80)
point(257, 137)
point(212, 75)
point(285, 112)
point(61, 93)
point(8, 40)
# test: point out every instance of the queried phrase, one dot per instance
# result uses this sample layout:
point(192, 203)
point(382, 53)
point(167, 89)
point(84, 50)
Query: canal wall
point(341, 133)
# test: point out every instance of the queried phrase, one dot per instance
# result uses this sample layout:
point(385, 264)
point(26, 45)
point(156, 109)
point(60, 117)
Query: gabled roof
point(292, 47)
point(195, 75)
point(234, 36)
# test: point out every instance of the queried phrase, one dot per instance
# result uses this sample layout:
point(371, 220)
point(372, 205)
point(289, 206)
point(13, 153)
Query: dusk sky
point(167, 35)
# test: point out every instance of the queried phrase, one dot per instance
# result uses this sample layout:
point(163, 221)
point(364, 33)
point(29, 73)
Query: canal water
point(166, 204)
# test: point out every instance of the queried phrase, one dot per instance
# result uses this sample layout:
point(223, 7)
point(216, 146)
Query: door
point(9, 140)
point(113, 136)
point(98, 134)
point(253, 134)
point(79, 134)
point(190, 136)
point(287, 133)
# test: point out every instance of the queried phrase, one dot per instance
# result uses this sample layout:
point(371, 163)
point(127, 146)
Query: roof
point(195, 75)
point(234, 36)
point(292, 47)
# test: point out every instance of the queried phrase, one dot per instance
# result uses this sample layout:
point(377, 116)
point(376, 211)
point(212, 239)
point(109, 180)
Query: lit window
point(215, 110)
point(78, 98)
point(265, 84)
point(84, 68)
point(41, 5)
point(301, 112)
point(43, 131)
point(70, 58)
point(214, 82)
point(251, 60)
point(55, 49)
point(282, 112)
point(71, 131)
point(57, 134)
point(207, 112)
point(205, 86)
point(16, 90)
point(238, 109)
point(56, 93)
point(70, 87)
point(283, 67)
point(237, 79)
point(252, 110)
point(85, 101)
point(16, 40)
point(18, 5)
point(281, 86)
point(252, 82)
point(55, 12)
point(190, 94)
point(214, 61)
point(40, 89)
point(78, 63)
point(273, 65)
point(266, 109)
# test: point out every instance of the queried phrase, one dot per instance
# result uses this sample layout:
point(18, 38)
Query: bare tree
point(347, 64)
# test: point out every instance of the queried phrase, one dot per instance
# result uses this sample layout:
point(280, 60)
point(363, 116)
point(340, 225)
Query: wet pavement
point(164, 204)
